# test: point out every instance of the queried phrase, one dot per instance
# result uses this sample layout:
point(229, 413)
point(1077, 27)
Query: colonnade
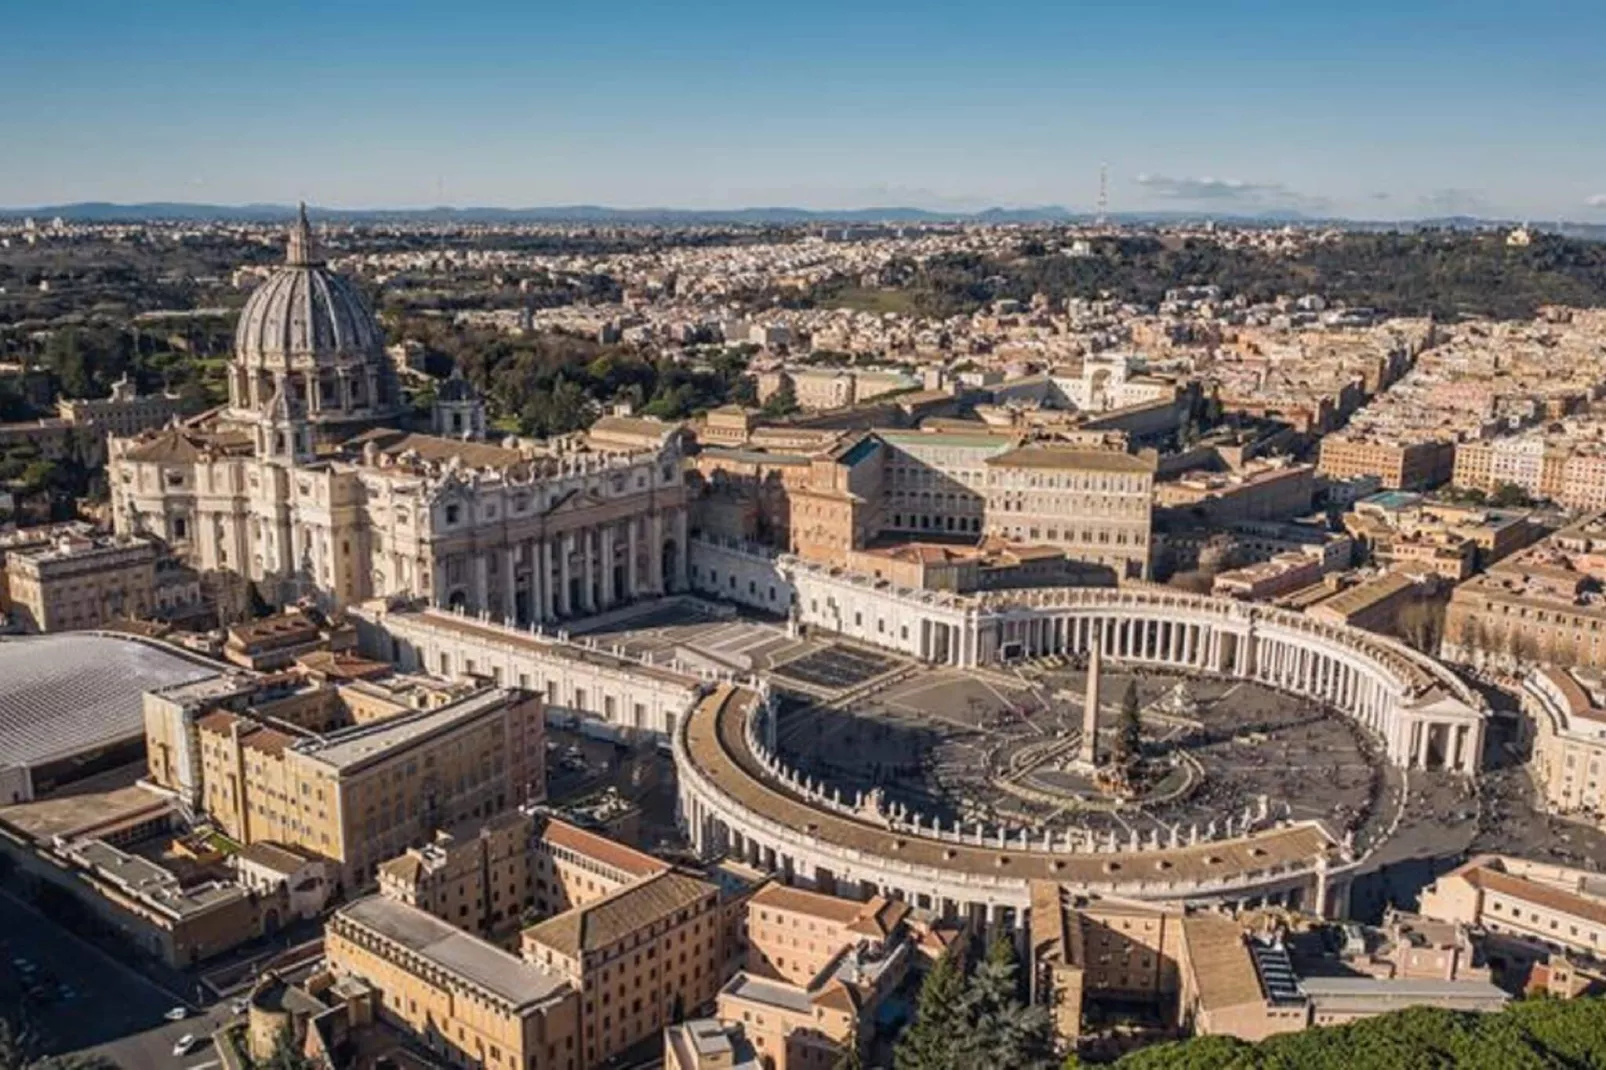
point(571, 572)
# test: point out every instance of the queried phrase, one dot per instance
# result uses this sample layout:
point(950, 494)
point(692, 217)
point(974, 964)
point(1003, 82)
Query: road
point(84, 1000)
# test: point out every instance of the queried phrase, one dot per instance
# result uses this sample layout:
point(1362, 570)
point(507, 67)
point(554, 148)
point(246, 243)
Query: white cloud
point(1597, 201)
point(1233, 191)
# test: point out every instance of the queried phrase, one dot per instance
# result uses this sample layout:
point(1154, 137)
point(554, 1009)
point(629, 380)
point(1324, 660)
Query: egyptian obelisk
point(1089, 753)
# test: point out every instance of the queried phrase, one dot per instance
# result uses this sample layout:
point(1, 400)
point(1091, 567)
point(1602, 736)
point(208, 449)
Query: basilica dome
point(307, 331)
point(305, 314)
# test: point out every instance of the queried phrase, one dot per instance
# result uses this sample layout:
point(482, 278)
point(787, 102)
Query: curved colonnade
point(735, 797)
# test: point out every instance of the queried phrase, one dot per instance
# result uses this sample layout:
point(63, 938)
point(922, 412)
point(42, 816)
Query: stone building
point(1567, 717)
point(81, 582)
point(299, 485)
point(125, 412)
point(350, 779)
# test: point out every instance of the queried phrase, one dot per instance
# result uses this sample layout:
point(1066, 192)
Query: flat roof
point(774, 993)
point(353, 746)
point(64, 694)
point(484, 964)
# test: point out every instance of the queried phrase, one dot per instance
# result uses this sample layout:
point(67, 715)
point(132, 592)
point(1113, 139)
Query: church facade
point(303, 485)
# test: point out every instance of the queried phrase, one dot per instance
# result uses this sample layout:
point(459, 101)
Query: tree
point(1002, 1030)
point(784, 401)
point(931, 1041)
point(1129, 732)
point(1509, 496)
point(1422, 625)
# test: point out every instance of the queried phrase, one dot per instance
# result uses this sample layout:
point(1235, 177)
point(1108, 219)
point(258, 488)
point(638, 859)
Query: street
point(81, 999)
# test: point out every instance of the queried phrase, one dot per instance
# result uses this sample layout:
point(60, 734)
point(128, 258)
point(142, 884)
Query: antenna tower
point(1104, 193)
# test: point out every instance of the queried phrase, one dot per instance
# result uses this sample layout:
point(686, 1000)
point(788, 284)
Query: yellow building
point(1400, 465)
point(466, 999)
point(518, 864)
point(1095, 504)
point(1567, 714)
point(79, 582)
point(1085, 949)
point(639, 958)
point(1552, 908)
point(303, 774)
point(817, 969)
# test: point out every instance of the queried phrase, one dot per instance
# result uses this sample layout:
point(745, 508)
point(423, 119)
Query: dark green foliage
point(1532, 1034)
point(1448, 274)
point(976, 1024)
point(1129, 734)
point(551, 384)
point(931, 1041)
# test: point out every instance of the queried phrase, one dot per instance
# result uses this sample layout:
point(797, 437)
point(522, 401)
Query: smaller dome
point(457, 388)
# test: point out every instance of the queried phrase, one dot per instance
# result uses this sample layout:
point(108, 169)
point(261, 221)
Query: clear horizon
point(1378, 111)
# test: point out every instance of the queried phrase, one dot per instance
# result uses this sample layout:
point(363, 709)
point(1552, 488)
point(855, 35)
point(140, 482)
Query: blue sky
point(1376, 108)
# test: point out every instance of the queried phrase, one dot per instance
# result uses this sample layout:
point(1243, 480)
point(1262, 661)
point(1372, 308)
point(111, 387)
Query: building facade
point(299, 487)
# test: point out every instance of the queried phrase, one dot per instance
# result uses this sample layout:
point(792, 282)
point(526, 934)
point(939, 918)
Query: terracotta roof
point(1224, 974)
point(179, 445)
point(1488, 878)
point(601, 848)
point(1057, 457)
point(269, 741)
point(633, 427)
point(343, 666)
point(406, 867)
point(277, 857)
point(605, 922)
point(432, 448)
point(219, 721)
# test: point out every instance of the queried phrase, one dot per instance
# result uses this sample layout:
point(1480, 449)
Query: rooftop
point(73, 692)
point(606, 921)
point(351, 747)
point(451, 949)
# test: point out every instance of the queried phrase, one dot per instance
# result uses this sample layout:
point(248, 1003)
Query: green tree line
point(1531, 1034)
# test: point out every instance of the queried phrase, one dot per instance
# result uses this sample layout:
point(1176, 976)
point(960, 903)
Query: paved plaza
point(955, 745)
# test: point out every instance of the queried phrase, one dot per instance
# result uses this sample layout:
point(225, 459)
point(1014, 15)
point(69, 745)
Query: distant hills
point(578, 214)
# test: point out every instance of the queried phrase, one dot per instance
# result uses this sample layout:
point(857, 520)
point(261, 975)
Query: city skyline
point(1241, 110)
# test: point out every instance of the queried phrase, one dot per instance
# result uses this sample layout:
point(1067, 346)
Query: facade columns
point(509, 584)
point(632, 579)
point(607, 566)
point(480, 585)
point(565, 549)
point(655, 556)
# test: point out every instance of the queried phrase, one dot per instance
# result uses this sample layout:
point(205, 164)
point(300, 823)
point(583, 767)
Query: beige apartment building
point(125, 412)
point(80, 582)
point(303, 774)
point(817, 968)
point(1552, 907)
point(518, 865)
point(1567, 714)
point(1400, 465)
point(1085, 949)
point(639, 958)
point(1540, 606)
point(467, 1000)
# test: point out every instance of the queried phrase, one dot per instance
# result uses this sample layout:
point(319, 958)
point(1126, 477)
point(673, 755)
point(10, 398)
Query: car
point(239, 1006)
point(185, 1044)
point(177, 1014)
